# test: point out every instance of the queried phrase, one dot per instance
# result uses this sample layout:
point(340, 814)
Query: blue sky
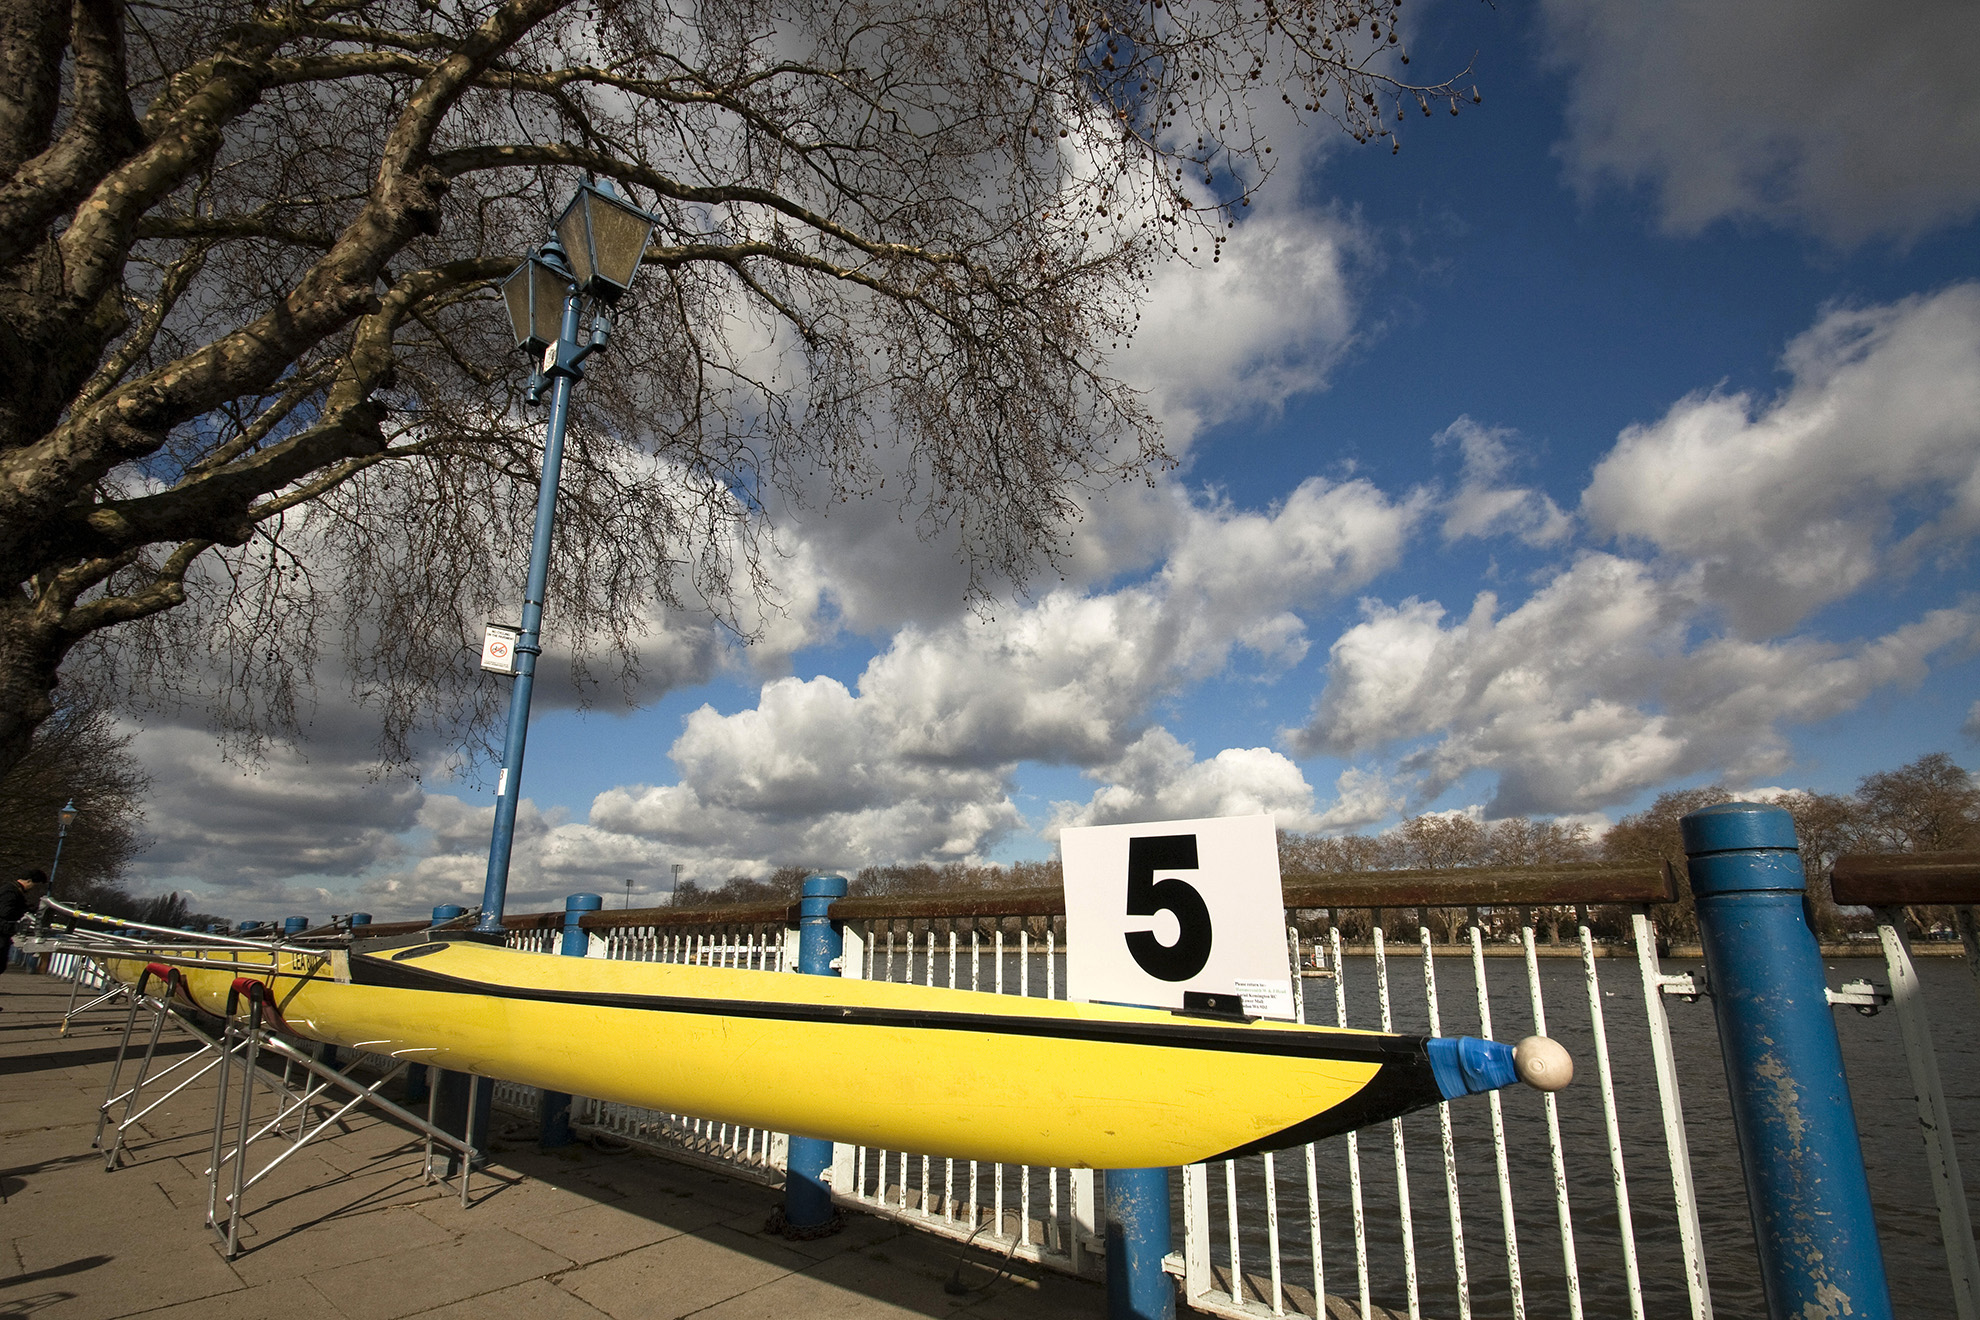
point(1672, 346)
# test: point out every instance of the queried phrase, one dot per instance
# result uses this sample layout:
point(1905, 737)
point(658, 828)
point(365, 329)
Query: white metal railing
point(1908, 1000)
point(1244, 1255)
point(743, 1150)
point(1044, 1215)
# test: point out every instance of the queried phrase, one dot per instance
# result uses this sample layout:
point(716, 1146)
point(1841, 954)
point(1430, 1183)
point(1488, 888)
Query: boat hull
point(943, 1072)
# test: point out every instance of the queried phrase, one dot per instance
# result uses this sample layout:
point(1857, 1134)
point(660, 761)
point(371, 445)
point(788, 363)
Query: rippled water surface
point(1886, 1112)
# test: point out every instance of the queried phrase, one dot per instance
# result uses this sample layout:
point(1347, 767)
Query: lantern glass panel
point(547, 286)
point(515, 296)
point(618, 239)
point(575, 234)
point(605, 237)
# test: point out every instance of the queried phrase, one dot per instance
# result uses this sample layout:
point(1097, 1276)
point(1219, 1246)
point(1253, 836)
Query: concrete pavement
point(346, 1229)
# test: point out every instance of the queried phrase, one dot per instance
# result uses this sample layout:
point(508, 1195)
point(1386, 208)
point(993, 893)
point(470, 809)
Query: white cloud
point(1843, 119)
point(243, 833)
point(920, 760)
point(1362, 797)
point(1263, 323)
point(1592, 690)
point(1868, 460)
point(1972, 726)
point(1159, 778)
point(1485, 506)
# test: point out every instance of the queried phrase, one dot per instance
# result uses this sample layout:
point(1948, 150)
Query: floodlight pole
point(560, 367)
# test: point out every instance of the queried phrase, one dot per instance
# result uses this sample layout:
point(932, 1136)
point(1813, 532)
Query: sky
point(1617, 435)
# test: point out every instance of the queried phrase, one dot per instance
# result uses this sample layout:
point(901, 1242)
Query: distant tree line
point(1930, 805)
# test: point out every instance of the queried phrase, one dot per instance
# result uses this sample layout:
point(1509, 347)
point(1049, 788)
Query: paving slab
point(684, 1274)
point(539, 1299)
point(595, 1232)
point(472, 1264)
point(332, 1241)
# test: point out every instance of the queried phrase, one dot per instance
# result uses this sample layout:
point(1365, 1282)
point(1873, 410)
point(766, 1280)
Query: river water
point(1880, 1083)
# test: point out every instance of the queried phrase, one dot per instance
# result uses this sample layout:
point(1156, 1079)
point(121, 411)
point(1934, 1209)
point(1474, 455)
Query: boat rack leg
point(115, 990)
point(302, 1084)
point(304, 1081)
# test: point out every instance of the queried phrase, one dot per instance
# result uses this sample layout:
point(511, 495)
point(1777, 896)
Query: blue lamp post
point(590, 258)
point(65, 816)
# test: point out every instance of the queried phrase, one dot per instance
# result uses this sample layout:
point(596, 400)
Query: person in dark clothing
point(17, 900)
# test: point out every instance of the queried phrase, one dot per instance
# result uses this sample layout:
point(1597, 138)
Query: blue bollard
point(554, 1117)
point(807, 1197)
point(418, 1079)
point(1139, 1229)
point(295, 925)
point(1810, 1201)
point(329, 1056)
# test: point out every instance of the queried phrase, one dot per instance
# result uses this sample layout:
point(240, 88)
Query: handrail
point(1463, 886)
point(1485, 886)
point(1895, 879)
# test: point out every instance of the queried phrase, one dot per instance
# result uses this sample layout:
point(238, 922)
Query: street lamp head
point(68, 813)
point(605, 236)
point(534, 294)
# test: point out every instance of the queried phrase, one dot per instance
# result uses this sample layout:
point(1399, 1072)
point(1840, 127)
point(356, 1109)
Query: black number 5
point(1146, 896)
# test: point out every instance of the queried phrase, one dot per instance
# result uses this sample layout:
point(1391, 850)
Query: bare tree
point(256, 406)
point(1930, 805)
point(77, 755)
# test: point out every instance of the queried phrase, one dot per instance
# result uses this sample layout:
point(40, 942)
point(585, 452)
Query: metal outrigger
point(306, 1092)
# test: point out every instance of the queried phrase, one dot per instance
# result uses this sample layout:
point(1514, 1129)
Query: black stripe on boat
point(1182, 1033)
point(1400, 1086)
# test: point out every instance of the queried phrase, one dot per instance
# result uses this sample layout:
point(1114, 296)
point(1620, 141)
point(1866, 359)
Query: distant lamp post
point(66, 815)
point(592, 257)
point(628, 893)
point(677, 882)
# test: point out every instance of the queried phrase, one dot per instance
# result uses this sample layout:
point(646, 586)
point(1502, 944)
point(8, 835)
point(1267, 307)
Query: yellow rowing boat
point(945, 1072)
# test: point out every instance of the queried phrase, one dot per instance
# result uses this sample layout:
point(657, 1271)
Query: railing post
point(807, 1195)
point(554, 1113)
point(1138, 1234)
point(1810, 1200)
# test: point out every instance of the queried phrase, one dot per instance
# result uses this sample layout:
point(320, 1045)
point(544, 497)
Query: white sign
point(1154, 911)
point(498, 649)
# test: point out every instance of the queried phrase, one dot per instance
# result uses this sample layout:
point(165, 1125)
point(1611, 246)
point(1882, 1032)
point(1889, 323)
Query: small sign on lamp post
point(498, 649)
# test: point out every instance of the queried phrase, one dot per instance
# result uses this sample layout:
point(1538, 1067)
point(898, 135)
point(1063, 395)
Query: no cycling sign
point(1158, 910)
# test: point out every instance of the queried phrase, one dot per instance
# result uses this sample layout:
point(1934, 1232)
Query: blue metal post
point(359, 919)
point(295, 925)
point(418, 1078)
point(807, 1197)
point(563, 372)
point(554, 1118)
point(1138, 1234)
point(1810, 1201)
